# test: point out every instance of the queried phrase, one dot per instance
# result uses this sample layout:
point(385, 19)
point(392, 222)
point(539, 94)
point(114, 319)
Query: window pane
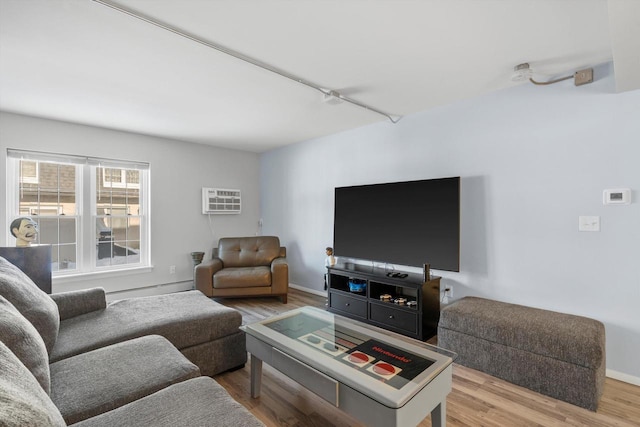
point(104, 240)
point(118, 191)
point(118, 239)
point(103, 203)
point(47, 189)
point(58, 230)
point(53, 231)
point(48, 231)
point(67, 227)
point(28, 172)
point(133, 178)
point(112, 177)
point(64, 257)
point(60, 233)
point(133, 233)
point(119, 227)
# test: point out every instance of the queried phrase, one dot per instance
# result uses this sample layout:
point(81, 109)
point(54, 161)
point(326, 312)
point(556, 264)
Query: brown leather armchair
point(244, 267)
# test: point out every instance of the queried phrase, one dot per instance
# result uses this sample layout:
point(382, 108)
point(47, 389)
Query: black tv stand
point(416, 320)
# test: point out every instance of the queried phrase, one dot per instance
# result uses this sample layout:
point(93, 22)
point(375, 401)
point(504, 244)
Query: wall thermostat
point(618, 196)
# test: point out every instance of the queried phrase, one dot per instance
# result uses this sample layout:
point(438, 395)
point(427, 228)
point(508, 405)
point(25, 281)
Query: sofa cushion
point(197, 402)
point(23, 402)
point(74, 303)
point(31, 301)
point(21, 337)
point(184, 318)
point(246, 277)
point(92, 383)
point(248, 251)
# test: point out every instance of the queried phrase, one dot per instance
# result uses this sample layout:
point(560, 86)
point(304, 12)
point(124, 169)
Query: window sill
point(77, 277)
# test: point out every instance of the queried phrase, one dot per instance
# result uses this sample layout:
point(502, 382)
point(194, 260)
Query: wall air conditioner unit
point(220, 201)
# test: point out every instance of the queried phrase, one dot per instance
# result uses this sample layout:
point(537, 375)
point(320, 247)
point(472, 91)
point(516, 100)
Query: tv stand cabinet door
point(347, 305)
point(395, 319)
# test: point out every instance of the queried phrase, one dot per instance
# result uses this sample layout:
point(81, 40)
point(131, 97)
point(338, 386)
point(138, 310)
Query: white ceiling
point(80, 61)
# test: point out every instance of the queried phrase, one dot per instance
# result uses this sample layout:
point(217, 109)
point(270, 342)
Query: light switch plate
point(589, 223)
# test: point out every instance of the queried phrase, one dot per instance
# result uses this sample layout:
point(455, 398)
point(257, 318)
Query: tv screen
point(408, 223)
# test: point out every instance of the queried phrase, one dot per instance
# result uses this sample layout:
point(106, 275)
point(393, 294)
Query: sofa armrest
point(204, 275)
point(74, 303)
point(279, 276)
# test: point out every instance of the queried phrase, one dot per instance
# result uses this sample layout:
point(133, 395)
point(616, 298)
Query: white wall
point(532, 159)
point(179, 170)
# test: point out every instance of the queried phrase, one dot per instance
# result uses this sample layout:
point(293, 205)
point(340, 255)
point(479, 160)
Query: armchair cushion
point(21, 337)
point(31, 301)
point(248, 252)
point(246, 277)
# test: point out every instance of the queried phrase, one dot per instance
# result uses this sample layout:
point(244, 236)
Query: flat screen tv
point(409, 223)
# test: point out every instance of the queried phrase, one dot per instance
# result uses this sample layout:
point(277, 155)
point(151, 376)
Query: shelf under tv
point(420, 321)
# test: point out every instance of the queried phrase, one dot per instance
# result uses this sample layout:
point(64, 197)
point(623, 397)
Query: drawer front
point(322, 385)
point(347, 304)
point(391, 316)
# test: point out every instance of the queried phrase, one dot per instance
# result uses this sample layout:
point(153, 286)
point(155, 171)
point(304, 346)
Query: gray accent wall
point(532, 160)
point(179, 170)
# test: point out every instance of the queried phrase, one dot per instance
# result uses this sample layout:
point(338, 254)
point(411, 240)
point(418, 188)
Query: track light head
point(332, 97)
point(521, 72)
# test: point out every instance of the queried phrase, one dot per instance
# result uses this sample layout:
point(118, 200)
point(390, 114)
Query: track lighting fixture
point(330, 96)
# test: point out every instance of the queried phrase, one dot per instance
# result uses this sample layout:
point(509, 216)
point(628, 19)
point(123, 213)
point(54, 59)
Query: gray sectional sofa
point(71, 359)
point(207, 333)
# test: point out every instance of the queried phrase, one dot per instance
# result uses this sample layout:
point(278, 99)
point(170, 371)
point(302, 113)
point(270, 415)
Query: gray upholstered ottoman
point(556, 354)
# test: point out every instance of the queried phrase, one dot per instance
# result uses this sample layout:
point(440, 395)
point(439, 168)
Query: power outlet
point(448, 292)
point(172, 269)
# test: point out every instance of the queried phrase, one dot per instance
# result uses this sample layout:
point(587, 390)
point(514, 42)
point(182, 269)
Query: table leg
point(256, 376)
point(439, 415)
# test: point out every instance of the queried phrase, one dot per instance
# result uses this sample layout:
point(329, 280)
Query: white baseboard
point(150, 290)
point(307, 290)
point(623, 377)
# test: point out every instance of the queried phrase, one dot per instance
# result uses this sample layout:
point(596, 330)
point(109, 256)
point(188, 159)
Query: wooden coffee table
point(377, 376)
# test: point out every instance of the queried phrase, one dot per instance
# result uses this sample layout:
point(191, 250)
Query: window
point(93, 212)
point(118, 215)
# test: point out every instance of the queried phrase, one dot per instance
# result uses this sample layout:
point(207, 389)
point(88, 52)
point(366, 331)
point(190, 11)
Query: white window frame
point(86, 215)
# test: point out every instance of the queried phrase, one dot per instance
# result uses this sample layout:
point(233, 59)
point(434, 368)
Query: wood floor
point(476, 400)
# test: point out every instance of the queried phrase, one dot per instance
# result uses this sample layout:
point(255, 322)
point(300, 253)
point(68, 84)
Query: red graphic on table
point(392, 365)
point(384, 370)
point(359, 358)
